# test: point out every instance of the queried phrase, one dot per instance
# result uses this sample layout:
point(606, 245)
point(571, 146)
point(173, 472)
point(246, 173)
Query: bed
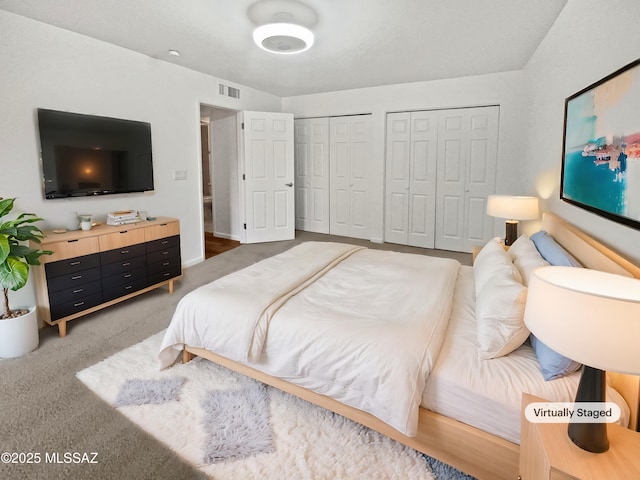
point(290, 334)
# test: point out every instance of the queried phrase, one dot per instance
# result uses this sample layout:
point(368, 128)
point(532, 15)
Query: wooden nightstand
point(547, 452)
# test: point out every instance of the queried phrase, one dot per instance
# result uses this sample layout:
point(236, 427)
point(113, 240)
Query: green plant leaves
point(13, 274)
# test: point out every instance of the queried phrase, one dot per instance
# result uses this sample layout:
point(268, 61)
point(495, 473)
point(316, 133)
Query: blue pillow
point(552, 251)
point(552, 364)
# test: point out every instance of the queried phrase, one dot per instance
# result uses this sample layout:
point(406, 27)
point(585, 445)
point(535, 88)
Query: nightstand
point(547, 452)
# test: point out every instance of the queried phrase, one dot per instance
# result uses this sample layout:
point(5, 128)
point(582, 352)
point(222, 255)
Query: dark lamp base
point(592, 388)
point(511, 228)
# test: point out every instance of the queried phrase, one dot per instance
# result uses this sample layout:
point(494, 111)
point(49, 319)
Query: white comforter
point(361, 326)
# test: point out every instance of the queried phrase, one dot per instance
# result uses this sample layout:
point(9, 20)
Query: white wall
point(224, 152)
point(48, 67)
point(503, 89)
point(589, 40)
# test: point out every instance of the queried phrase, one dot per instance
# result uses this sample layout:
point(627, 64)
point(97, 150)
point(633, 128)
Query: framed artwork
point(601, 147)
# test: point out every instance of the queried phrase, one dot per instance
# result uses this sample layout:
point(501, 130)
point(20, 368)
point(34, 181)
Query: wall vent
point(234, 92)
point(222, 89)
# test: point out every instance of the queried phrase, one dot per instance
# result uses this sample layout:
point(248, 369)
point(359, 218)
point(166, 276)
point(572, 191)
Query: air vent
point(228, 91)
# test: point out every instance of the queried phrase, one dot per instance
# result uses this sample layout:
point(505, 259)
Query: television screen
point(87, 155)
point(601, 149)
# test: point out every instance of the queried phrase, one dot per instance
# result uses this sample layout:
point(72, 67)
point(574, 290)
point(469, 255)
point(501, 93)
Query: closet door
point(312, 174)
point(398, 157)
point(411, 178)
point(350, 145)
point(467, 155)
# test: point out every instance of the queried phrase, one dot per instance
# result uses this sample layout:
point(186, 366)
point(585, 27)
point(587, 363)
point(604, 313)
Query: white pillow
point(526, 257)
point(500, 316)
point(492, 259)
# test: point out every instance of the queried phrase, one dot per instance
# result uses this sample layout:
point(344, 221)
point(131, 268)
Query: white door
point(467, 155)
point(350, 150)
point(398, 157)
point(312, 174)
point(411, 178)
point(268, 176)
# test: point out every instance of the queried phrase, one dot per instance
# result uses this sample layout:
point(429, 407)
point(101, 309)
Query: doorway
point(218, 140)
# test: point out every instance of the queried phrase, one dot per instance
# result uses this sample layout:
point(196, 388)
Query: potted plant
point(18, 327)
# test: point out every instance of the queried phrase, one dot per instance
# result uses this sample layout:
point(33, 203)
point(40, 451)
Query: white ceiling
point(359, 43)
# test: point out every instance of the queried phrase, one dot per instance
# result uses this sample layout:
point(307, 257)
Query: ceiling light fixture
point(174, 53)
point(283, 38)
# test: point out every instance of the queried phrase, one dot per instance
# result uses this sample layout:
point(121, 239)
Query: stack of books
point(122, 217)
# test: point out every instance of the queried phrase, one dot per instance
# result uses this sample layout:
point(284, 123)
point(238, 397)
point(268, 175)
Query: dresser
point(91, 270)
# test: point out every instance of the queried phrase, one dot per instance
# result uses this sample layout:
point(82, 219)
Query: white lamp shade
point(513, 207)
point(587, 315)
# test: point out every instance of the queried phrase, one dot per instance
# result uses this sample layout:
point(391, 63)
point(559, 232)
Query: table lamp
point(512, 208)
point(592, 317)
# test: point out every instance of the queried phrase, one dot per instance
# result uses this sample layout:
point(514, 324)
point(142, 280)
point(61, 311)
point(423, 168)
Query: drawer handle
point(73, 264)
point(128, 275)
point(164, 242)
point(126, 264)
point(78, 290)
point(76, 277)
point(166, 264)
point(124, 252)
point(163, 224)
point(71, 241)
point(124, 231)
point(167, 274)
point(165, 252)
point(79, 304)
point(128, 287)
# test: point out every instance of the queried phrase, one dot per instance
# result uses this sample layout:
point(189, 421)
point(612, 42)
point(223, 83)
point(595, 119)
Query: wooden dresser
point(93, 269)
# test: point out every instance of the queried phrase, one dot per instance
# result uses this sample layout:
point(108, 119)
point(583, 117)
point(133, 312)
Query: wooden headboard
point(593, 254)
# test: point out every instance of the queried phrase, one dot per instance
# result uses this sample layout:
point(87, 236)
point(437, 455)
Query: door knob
point(289, 184)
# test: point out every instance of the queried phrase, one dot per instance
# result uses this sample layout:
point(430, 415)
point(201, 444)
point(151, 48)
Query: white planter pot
point(19, 336)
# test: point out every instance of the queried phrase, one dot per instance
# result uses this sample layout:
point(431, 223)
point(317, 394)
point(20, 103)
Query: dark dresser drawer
point(163, 265)
point(124, 278)
point(123, 266)
point(66, 309)
point(124, 289)
point(73, 280)
point(172, 272)
point(75, 294)
point(160, 255)
point(71, 265)
point(121, 254)
point(163, 243)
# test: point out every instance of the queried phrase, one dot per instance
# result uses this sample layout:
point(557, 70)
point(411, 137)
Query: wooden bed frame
point(478, 453)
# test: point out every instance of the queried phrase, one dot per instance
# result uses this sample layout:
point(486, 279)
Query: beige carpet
point(45, 409)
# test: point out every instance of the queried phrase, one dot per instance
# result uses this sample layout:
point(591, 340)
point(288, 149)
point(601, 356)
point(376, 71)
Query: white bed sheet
point(366, 333)
point(487, 394)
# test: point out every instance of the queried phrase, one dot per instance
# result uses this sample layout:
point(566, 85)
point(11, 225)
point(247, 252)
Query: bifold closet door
point(467, 156)
point(350, 145)
point(312, 174)
point(411, 178)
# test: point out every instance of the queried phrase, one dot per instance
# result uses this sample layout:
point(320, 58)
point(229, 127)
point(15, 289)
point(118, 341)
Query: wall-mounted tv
point(88, 155)
point(601, 149)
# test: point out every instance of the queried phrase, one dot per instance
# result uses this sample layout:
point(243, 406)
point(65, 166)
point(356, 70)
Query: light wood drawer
point(70, 249)
point(121, 238)
point(162, 230)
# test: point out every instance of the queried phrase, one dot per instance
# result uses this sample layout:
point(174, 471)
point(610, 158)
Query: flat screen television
point(87, 155)
point(601, 148)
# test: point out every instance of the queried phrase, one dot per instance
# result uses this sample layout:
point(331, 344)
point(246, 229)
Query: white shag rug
point(232, 427)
